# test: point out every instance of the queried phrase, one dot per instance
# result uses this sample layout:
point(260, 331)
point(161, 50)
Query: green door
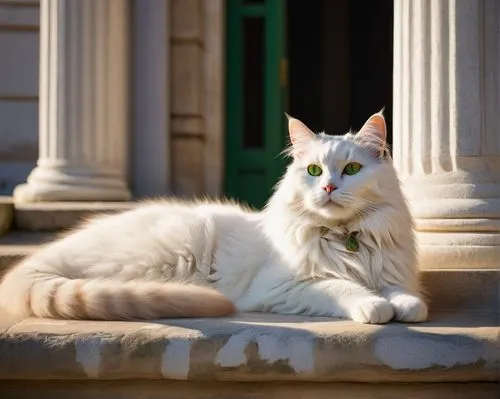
point(256, 70)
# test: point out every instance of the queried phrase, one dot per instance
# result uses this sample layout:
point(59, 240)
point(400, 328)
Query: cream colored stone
point(197, 103)
point(214, 96)
point(187, 19)
point(83, 103)
point(451, 347)
point(187, 169)
point(446, 141)
point(187, 126)
point(186, 78)
point(186, 106)
point(55, 216)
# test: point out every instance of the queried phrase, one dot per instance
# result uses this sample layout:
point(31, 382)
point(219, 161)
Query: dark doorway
point(340, 59)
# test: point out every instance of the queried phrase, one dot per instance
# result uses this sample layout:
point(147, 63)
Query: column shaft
point(447, 127)
point(83, 111)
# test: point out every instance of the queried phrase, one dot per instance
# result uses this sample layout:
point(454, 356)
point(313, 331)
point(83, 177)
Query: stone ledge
point(240, 390)
point(53, 216)
point(15, 245)
point(6, 214)
point(451, 347)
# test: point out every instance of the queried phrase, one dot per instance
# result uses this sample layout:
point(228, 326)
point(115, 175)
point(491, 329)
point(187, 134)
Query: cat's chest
point(348, 248)
point(350, 240)
point(351, 254)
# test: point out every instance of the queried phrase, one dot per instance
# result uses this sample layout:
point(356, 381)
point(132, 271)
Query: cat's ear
point(299, 133)
point(373, 134)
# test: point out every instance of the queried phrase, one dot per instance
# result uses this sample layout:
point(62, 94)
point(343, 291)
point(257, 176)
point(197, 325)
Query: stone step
point(6, 214)
point(447, 289)
point(164, 389)
point(15, 245)
point(56, 216)
point(450, 347)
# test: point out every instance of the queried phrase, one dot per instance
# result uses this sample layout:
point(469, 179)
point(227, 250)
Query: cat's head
point(339, 177)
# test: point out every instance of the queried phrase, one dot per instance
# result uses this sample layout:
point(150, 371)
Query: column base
point(454, 195)
point(457, 217)
point(459, 250)
point(71, 184)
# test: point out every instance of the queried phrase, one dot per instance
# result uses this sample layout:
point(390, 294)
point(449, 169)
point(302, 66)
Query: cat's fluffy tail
point(58, 297)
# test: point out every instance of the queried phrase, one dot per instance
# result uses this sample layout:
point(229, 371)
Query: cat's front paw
point(372, 310)
point(409, 308)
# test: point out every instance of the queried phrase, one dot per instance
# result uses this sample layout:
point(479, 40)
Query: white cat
point(335, 239)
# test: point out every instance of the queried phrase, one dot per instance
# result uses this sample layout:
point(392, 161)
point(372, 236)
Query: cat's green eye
point(352, 168)
point(314, 170)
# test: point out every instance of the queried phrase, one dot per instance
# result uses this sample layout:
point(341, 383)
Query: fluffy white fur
point(179, 259)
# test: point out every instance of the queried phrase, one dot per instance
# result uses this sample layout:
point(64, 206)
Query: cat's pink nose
point(329, 188)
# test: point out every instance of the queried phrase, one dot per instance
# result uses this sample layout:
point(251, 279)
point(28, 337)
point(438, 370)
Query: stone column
point(447, 127)
point(83, 113)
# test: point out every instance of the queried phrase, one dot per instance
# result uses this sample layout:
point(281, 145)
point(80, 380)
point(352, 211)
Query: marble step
point(455, 347)
point(56, 216)
point(51, 216)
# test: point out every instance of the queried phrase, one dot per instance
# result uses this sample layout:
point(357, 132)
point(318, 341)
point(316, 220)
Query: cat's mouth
point(331, 203)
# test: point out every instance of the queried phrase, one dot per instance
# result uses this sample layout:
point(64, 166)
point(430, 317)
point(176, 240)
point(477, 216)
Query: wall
point(196, 102)
point(196, 86)
point(18, 91)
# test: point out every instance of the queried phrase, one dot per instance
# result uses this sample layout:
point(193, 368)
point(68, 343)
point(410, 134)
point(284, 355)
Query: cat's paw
point(372, 310)
point(409, 308)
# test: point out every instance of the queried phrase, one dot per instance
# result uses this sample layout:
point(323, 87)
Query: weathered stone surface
point(214, 99)
point(464, 289)
point(186, 19)
point(187, 166)
point(457, 347)
point(187, 126)
point(272, 390)
point(52, 216)
point(186, 78)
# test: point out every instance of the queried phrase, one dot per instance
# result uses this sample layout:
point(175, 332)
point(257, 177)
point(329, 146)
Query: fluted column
point(447, 127)
point(83, 96)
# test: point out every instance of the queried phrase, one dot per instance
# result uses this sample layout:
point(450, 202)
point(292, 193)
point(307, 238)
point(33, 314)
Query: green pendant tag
point(352, 243)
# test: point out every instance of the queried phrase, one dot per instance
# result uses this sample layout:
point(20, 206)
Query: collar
point(350, 237)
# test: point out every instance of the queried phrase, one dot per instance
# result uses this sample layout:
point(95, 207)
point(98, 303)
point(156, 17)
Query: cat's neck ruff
point(294, 234)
